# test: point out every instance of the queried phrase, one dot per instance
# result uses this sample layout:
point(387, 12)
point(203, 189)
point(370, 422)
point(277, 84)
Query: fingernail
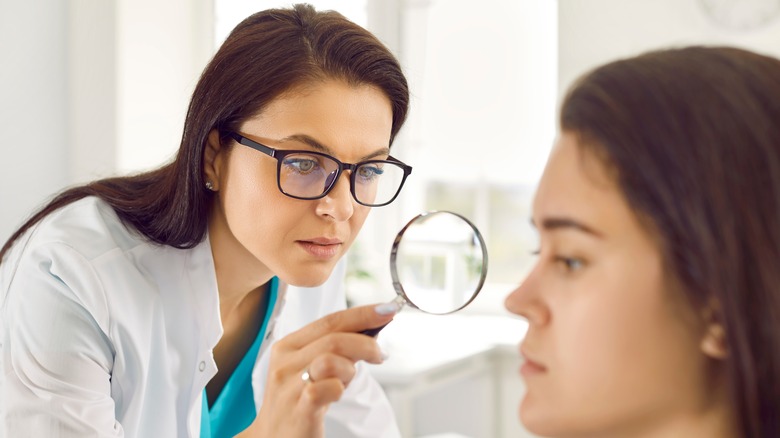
point(386, 308)
point(384, 354)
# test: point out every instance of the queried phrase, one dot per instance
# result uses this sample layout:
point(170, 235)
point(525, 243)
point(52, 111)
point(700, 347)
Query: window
point(483, 77)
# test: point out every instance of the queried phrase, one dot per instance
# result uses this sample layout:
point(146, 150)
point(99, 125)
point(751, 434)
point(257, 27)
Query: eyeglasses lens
point(309, 176)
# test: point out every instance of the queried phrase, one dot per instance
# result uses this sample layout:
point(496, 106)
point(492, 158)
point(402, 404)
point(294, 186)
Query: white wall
point(89, 88)
point(593, 32)
point(162, 47)
point(33, 105)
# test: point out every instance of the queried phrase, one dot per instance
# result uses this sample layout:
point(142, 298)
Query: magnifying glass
point(438, 264)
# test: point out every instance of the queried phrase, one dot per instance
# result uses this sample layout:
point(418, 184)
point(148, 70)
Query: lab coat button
point(202, 366)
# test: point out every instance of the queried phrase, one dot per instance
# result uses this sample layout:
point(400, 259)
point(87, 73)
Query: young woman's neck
point(710, 425)
point(713, 419)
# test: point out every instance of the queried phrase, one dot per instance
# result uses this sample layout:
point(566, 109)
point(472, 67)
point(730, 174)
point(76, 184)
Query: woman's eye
point(369, 173)
point(571, 264)
point(301, 165)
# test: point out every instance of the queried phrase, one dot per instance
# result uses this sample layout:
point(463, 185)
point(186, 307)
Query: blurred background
point(92, 88)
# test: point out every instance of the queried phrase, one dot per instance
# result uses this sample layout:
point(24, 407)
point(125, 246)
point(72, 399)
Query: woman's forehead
point(577, 184)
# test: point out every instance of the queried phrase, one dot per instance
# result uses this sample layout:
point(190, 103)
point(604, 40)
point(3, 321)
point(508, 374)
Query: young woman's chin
point(553, 421)
point(540, 421)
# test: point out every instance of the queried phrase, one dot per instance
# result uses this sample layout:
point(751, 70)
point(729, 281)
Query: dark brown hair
point(693, 135)
point(266, 55)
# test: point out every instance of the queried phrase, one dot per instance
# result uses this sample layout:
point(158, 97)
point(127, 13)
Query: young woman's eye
point(571, 264)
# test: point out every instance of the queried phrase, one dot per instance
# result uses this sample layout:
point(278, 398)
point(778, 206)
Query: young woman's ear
point(713, 343)
point(212, 160)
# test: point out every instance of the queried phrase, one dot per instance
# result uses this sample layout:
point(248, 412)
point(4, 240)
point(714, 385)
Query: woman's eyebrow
point(316, 145)
point(561, 223)
point(311, 142)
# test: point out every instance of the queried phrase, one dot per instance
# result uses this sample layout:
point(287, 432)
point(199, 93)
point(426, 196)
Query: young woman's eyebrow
point(561, 223)
point(316, 145)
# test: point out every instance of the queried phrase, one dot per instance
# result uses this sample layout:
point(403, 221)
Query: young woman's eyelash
point(571, 263)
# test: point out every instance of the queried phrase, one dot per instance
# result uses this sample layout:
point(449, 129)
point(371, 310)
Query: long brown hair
point(267, 54)
point(693, 136)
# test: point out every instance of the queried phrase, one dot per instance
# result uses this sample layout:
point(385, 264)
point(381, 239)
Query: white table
point(452, 374)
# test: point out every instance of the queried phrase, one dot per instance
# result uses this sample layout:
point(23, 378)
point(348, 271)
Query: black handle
point(374, 331)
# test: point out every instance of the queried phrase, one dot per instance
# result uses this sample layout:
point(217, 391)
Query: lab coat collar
point(203, 284)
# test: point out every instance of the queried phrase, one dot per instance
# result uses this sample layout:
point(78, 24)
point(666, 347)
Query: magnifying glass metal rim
point(399, 290)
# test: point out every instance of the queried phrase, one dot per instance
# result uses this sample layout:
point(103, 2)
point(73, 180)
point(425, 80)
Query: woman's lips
point(321, 248)
point(530, 367)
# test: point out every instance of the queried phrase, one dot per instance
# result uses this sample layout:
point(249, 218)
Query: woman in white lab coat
point(157, 305)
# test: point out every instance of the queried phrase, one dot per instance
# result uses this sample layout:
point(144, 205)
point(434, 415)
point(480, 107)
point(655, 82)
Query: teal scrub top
point(234, 409)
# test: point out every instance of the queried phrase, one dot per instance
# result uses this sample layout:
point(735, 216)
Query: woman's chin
point(309, 278)
point(536, 420)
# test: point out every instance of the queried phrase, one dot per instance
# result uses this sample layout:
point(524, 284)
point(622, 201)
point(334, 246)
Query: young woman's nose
point(526, 300)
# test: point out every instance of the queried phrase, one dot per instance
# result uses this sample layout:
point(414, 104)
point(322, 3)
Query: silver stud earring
point(210, 185)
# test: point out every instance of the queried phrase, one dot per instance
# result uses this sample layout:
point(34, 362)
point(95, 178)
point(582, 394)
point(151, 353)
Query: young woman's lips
point(530, 368)
point(321, 248)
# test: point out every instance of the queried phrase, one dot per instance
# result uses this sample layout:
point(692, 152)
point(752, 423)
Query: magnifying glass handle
point(399, 302)
point(373, 331)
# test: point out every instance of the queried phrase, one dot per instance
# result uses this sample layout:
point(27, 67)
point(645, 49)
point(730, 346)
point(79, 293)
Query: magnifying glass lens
point(439, 264)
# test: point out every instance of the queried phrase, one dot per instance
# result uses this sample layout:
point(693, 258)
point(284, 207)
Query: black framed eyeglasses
point(304, 174)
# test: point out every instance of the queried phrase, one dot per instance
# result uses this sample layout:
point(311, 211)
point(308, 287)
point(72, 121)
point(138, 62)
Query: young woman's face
point(300, 240)
point(611, 349)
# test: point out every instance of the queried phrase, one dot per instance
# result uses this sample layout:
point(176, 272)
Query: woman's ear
point(713, 344)
point(213, 157)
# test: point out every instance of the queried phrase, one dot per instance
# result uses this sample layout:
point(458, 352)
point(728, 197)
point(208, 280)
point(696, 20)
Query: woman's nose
point(527, 301)
point(338, 204)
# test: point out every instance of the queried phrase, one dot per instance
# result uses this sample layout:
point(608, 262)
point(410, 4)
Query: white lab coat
point(103, 334)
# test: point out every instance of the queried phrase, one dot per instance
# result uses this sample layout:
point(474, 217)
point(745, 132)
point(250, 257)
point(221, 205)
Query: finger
point(319, 394)
point(351, 320)
point(352, 346)
point(327, 366)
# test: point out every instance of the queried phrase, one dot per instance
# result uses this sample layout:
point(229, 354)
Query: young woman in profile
point(157, 305)
point(654, 306)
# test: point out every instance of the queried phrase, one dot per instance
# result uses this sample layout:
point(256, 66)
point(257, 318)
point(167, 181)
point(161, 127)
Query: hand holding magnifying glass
point(438, 264)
